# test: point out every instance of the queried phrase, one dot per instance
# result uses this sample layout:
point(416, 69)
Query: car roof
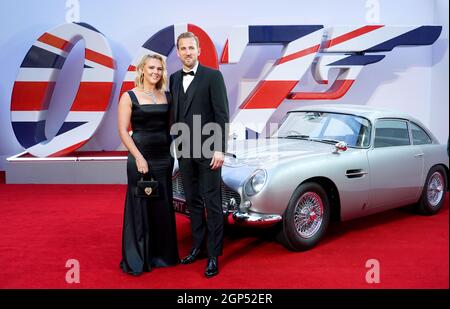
point(368, 112)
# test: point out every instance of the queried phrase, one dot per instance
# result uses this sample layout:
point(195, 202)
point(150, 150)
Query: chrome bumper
point(255, 219)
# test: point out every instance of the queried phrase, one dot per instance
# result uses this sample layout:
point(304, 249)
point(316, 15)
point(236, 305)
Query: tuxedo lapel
point(192, 87)
point(176, 92)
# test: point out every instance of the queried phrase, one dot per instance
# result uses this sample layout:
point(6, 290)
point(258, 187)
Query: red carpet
point(42, 226)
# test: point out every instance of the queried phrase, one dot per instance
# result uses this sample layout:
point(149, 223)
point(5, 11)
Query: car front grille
point(230, 198)
point(177, 187)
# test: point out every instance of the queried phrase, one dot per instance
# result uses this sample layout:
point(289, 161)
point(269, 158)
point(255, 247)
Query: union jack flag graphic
point(347, 49)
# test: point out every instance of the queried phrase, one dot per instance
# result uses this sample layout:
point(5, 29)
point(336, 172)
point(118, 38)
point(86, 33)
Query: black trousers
point(202, 188)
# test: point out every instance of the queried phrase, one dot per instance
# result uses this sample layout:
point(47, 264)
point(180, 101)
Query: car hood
point(264, 152)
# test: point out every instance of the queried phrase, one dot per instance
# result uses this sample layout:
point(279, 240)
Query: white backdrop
point(410, 79)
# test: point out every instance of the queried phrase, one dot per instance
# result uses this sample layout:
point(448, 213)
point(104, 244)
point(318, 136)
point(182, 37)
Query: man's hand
point(217, 160)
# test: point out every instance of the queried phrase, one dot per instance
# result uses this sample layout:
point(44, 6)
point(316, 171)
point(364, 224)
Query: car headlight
point(256, 182)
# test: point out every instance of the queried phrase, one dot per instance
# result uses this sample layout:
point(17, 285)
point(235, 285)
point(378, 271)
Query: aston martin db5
point(330, 162)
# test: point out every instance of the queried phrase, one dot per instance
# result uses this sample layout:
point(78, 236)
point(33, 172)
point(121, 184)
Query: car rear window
point(390, 133)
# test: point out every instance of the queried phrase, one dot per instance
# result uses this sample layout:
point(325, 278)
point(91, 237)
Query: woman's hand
point(142, 165)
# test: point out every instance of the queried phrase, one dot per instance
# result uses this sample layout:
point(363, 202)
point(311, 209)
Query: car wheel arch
point(446, 173)
point(319, 187)
point(423, 205)
point(332, 193)
point(445, 169)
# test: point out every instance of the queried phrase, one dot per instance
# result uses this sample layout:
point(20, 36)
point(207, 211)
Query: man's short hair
point(188, 34)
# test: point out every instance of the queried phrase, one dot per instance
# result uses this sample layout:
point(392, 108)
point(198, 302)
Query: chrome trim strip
point(356, 174)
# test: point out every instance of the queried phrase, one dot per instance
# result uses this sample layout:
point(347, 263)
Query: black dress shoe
point(192, 257)
point(212, 268)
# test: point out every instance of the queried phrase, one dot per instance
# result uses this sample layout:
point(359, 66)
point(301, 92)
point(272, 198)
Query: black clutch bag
point(147, 188)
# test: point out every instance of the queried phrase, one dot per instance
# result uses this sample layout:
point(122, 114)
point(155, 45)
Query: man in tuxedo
point(200, 98)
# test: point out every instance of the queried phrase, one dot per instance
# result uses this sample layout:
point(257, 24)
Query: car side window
point(391, 132)
point(419, 136)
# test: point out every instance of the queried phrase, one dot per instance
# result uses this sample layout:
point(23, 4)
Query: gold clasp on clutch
point(148, 190)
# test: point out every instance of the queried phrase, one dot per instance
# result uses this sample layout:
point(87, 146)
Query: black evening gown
point(149, 232)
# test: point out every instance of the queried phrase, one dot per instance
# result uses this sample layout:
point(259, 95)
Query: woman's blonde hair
point(139, 80)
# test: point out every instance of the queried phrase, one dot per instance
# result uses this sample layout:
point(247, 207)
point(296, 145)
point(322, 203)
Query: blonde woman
point(149, 233)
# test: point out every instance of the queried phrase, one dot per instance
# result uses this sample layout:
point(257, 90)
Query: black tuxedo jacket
point(206, 96)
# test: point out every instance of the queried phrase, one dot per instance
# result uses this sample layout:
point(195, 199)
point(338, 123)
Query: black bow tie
point(183, 73)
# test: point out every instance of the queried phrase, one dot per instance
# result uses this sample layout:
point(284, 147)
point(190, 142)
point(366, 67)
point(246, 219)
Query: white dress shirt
point(187, 79)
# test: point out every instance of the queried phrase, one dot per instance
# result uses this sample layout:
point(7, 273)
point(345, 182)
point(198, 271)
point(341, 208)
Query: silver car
point(330, 161)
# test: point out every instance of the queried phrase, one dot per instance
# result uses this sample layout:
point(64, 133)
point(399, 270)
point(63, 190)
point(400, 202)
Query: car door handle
point(355, 173)
point(419, 155)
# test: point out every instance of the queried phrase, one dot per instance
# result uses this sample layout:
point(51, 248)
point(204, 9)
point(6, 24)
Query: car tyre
point(306, 218)
point(434, 190)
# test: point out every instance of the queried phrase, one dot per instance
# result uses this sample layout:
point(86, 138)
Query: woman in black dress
point(149, 231)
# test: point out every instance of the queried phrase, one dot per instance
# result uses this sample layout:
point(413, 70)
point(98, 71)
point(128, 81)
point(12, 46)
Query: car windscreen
point(326, 127)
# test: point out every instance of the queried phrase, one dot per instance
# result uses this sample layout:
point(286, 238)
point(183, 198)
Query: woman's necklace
point(152, 95)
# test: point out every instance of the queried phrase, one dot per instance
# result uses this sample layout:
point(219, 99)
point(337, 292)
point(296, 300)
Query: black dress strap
point(170, 118)
point(133, 96)
point(168, 97)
